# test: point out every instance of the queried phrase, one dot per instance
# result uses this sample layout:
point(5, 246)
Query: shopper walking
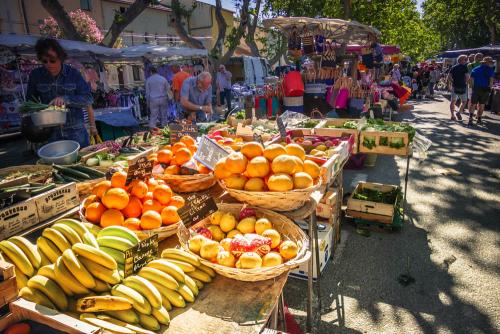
point(395, 73)
point(478, 57)
point(223, 84)
point(481, 80)
point(457, 80)
point(157, 91)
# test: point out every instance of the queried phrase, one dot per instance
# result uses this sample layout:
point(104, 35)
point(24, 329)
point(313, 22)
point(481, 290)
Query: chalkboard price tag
point(209, 152)
point(140, 169)
point(281, 127)
point(198, 206)
point(177, 131)
point(140, 255)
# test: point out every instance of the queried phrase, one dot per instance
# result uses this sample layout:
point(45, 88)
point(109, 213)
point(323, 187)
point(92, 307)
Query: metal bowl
point(63, 152)
point(49, 118)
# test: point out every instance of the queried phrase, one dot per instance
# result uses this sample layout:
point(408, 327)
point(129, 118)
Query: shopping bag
point(342, 98)
point(292, 84)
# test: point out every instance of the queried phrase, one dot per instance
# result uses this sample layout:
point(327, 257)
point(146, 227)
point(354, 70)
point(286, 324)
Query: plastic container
point(62, 152)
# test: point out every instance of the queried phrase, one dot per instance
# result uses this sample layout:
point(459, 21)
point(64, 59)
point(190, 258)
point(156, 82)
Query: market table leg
point(281, 304)
point(316, 255)
point(406, 185)
point(309, 280)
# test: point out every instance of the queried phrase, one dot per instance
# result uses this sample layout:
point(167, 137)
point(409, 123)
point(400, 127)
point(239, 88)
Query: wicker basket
point(287, 229)
point(162, 232)
point(188, 183)
point(36, 173)
point(85, 188)
point(273, 200)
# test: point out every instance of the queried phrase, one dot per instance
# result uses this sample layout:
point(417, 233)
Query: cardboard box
point(325, 251)
point(17, 218)
point(56, 201)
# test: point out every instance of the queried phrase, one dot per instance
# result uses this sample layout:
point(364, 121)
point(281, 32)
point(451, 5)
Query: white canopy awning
point(156, 51)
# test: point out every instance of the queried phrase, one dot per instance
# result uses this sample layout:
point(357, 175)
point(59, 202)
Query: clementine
point(115, 198)
point(172, 170)
point(177, 201)
point(89, 200)
point(151, 205)
point(139, 189)
point(149, 195)
point(133, 208)
point(133, 224)
point(150, 220)
point(182, 156)
point(118, 179)
point(169, 215)
point(101, 188)
point(94, 211)
point(193, 149)
point(162, 194)
point(203, 169)
point(152, 183)
point(164, 156)
point(111, 217)
point(188, 140)
point(178, 146)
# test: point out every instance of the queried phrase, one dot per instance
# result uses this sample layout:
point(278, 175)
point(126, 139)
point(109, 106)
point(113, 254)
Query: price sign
point(140, 255)
point(177, 131)
point(139, 169)
point(281, 127)
point(198, 206)
point(209, 152)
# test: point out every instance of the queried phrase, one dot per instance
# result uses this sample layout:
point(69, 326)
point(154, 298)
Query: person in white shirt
point(157, 91)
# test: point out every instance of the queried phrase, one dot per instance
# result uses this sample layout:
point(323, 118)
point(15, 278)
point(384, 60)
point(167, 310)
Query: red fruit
point(246, 212)
point(204, 232)
point(250, 243)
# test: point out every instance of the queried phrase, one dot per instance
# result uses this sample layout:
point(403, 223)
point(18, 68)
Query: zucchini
point(57, 177)
point(88, 170)
point(72, 172)
point(68, 179)
point(39, 190)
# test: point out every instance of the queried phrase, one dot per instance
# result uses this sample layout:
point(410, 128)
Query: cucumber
point(89, 171)
point(68, 179)
point(39, 190)
point(72, 172)
point(57, 177)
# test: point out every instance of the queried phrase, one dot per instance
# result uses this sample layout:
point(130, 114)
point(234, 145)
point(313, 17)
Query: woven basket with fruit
point(246, 243)
point(276, 177)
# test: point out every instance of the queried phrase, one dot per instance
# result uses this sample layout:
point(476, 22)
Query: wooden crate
point(8, 287)
point(378, 149)
point(368, 210)
point(56, 201)
point(322, 130)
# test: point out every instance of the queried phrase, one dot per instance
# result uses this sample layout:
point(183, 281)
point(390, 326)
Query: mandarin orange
point(133, 208)
point(169, 215)
point(115, 198)
point(177, 201)
point(139, 189)
point(151, 204)
point(94, 211)
point(150, 220)
point(133, 224)
point(101, 187)
point(182, 156)
point(111, 217)
point(118, 179)
point(164, 156)
point(188, 140)
point(162, 194)
point(178, 146)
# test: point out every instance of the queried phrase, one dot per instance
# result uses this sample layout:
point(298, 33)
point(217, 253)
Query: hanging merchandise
point(292, 84)
point(308, 43)
point(294, 43)
point(319, 44)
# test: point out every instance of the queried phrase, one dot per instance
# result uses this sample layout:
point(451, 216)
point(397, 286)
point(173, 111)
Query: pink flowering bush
point(84, 24)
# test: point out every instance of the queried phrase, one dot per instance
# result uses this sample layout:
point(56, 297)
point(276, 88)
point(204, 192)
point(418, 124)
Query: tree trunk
point(347, 9)
point(57, 11)
point(121, 21)
point(222, 26)
point(240, 31)
point(281, 51)
point(252, 26)
point(180, 30)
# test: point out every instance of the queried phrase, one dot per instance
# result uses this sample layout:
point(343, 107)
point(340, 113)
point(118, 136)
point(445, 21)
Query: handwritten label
point(139, 170)
point(177, 131)
point(209, 152)
point(281, 127)
point(140, 255)
point(198, 206)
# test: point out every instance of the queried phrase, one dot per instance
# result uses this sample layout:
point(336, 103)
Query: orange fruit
point(89, 200)
point(193, 149)
point(111, 217)
point(182, 156)
point(94, 211)
point(172, 170)
point(203, 169)
point(150, 220)
point(133, 208)
point(161, 181)
point(152, 183)
point(133, 224)
point(164, 156)
point(177, 201)
point(139, 189)
point(149, 195)
point(118, 179)
point(188, 140)
point(162, 194)
point(151, 205)
point(178, 146)
point(101, 188)
point(169, 215)
point(167, 147)
point(115, 198)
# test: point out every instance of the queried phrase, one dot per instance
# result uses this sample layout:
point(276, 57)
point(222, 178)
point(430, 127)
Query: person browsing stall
point(157, 88)
point(177, 80)
point(196, 97)
point(59, 84)
point(223, 81)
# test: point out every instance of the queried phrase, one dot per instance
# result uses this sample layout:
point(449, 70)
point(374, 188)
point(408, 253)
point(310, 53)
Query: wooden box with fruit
point(382, 137)
point(339, 127)
point(246, 243)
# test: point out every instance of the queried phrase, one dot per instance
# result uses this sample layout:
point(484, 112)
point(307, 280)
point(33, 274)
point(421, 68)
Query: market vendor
point(59, 84)
point(196, 97)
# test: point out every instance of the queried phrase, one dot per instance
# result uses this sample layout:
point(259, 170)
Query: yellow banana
point(186, 267)
point(165, 302)
point(115, 254)
point(125, 324)
point(36, 296)
point(76, 267)
point(28, 249)
point(101, 286)
point(173, 297)
point(106, 325)
point(77, 226)
point(44, 259)
point(191, 284)
point(128, 316)
point(161, 315)
point(51, 289)
point(186, 293)
point(119, 231)
point(178, 254)
point(94, 254)
point(149, 322)
point(169, 268)
point(139, 302)
point(68, 233)
point(49, 271)
point(57, 238)
point(104, 274)
point(93, 228)
point(207, 269)
point(200, 275)
point(199, 283)
point(145, 288)
point(155, 275)
point(48, 248)
point(117, 243)
point(67, 280)
point(89, 239)
point(19, 259)
point(21, 279)
point(102, 303)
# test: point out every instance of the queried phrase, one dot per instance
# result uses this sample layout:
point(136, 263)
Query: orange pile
point(174, 156)
point(137, 206)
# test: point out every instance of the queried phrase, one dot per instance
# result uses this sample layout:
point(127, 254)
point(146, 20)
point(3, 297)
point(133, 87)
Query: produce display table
point(111, 121)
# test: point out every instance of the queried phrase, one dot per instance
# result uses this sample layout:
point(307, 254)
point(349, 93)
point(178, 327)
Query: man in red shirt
point(179, 76)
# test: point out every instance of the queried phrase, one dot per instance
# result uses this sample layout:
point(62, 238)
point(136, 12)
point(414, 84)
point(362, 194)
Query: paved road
point(451, 241)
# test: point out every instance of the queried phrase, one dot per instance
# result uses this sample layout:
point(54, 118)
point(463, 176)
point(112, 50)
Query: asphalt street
point(449, 243)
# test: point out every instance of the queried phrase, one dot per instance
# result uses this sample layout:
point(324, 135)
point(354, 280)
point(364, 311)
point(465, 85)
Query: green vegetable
point(30, 106)
point(106, 163)
point(71, 172)
point(240, 115)
point(42, 189)
point(309, 124)
point(90, 171)
point(372, 195)
point(369, 142)
point(92, 162)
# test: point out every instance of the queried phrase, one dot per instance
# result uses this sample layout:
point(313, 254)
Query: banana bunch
point(114, 241)
point(23, 255)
